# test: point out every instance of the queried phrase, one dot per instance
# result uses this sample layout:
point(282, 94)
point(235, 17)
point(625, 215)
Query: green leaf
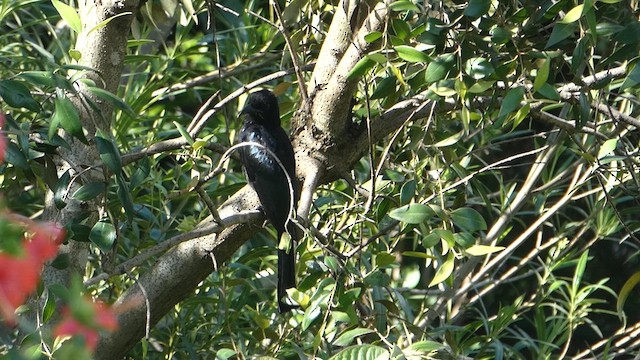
point(418, 254)
point(377, 278)
point(625, 291)
point(361, 67)
point(42, 78)
point(480, 250)
point(17, 95)
point(560, 32)
point(632, 79)
point(108, 20)
point(411, 54)
point(426, 346)
point(585, 110)
point(407, 191)
point(366, 351)
point(183, 132)
point(444, 271)
point(573, 15)
point(89, 191)
point(412, 213)
point(403, 5)
point(348, 336)
point(103, 234)
point(115, 100)
point(477, 8)
point(577, 277)
point(372, 36)
point(224, 354)
point(468, 219)
point(15, 156)
point(479, 68)
point(542, 75)
point(60, 192)
point(124, 195)
point(511, 102)
point(108, 152)
point(386, 87)
point(607, 148)
point(385, 259)
point(439, 68)
point(69, 15)
point(67, 116)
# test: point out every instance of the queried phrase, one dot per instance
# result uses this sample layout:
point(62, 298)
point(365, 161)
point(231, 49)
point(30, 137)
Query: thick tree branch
point(174, 277)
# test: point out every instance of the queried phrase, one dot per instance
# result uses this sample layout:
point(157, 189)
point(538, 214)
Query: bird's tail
point(286, 277)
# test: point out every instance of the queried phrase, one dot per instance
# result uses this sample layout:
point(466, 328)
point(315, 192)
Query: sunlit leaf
point(69, 15)
point(479, 68)
point(542, 75)
point(439, 68)
point(480, 250)
point(444, 271)
point(411, 54)
point(573, 15)
point(366, 351)
point(607, 148)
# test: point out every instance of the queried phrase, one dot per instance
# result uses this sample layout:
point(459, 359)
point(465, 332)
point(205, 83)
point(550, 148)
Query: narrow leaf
point(184, 132)
point(89, 191)
point(480, 250)
point(69, 15)
point(542, 75)
point(625, 291)
point(411, 54)
point(348, 336)
point(511, 102)
point(560, 32)
point(108, 152)
point(60, 192)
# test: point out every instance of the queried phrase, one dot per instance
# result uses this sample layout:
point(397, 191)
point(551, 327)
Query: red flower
point(103, 319)
point(19, 275)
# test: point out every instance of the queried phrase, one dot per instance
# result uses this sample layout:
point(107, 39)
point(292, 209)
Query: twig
point(208, 229)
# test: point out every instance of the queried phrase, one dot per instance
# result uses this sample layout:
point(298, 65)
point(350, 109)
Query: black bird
point(264, 174)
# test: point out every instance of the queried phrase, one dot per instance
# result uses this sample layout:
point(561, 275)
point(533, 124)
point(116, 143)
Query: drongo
point(266, 177)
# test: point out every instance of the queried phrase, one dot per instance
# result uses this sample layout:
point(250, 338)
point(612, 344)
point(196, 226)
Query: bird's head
point(262, 106)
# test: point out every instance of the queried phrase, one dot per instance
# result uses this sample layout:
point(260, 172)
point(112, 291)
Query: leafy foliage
point(502, 225)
